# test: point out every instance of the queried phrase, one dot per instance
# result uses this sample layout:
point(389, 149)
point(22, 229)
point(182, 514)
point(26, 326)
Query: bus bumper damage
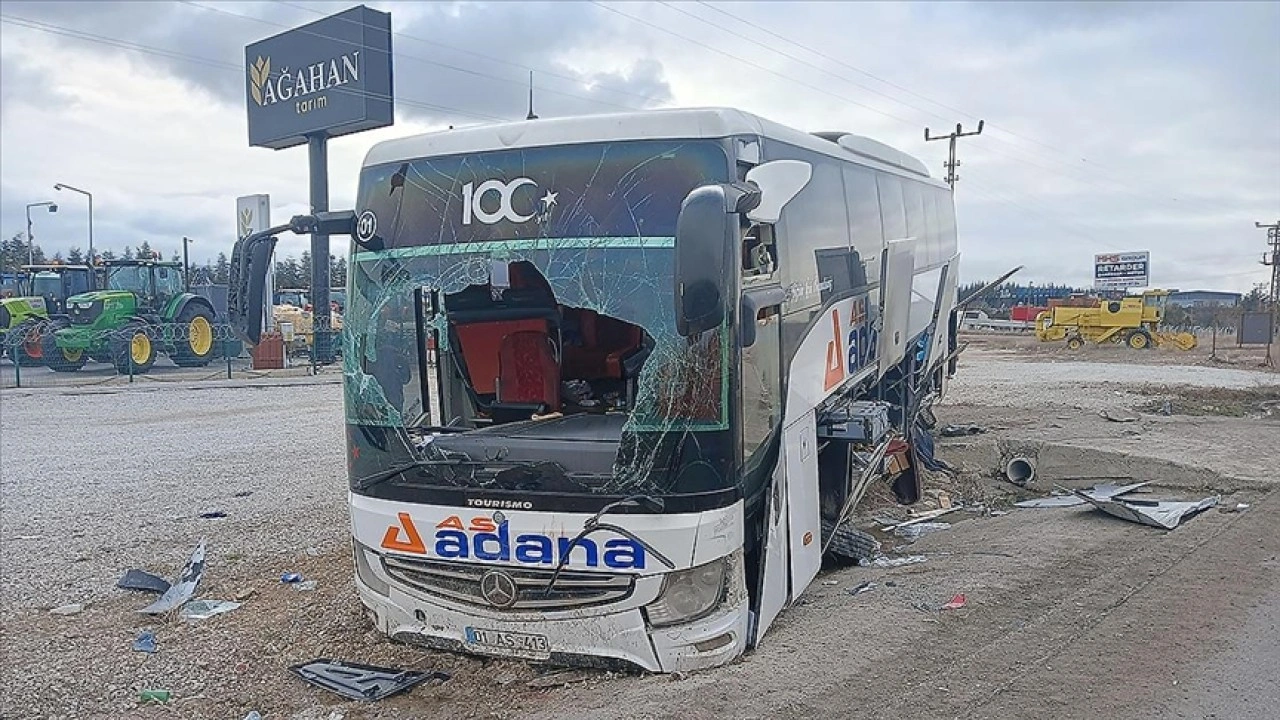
point(618, 636)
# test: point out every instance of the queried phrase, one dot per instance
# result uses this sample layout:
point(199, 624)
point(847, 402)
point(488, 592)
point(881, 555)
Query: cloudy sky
point(1110, 127)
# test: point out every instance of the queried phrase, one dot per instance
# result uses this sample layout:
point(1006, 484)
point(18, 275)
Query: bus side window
point(759, 252)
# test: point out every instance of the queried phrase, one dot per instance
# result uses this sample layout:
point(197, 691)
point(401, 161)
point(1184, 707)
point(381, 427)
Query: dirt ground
point(1069, 612)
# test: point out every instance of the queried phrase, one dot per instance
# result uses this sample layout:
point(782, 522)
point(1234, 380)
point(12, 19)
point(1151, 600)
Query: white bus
point(614, 383)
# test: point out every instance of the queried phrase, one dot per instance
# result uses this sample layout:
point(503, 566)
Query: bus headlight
point(365, 571)
point(688, 594)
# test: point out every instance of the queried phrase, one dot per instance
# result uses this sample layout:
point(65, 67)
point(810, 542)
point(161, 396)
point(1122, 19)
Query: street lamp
point(31, 241)
point(61, 186)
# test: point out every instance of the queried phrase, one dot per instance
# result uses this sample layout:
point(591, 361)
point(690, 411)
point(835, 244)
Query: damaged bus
point(614, 384)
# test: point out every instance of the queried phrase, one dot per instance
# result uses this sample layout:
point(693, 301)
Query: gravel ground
point(135, 467)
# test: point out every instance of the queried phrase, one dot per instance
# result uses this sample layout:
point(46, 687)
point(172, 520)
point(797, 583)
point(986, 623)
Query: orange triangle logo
point(391, 540)
point(835, 354)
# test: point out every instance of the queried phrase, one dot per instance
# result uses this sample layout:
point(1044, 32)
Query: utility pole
point(1272, 259)
point(952, 163)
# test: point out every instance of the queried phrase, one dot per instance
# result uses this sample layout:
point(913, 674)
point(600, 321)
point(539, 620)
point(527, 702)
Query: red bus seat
point(481, 344)
point(528, 373)
point(606, 342)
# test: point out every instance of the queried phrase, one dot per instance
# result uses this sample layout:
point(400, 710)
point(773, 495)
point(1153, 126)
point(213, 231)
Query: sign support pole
point(318, 157)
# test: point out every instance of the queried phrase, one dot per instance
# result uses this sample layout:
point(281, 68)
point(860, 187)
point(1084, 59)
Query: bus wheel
point(850, 544)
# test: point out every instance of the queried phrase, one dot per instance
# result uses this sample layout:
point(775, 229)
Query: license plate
point(509, 644)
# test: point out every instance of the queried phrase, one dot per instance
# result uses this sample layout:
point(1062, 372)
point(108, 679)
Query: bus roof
point(672, 124)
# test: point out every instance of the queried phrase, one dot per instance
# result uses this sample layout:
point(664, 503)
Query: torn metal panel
point(1164, 514)
point(184, 588)
point(361, 682)
point(1099, 492)
point(143, 581)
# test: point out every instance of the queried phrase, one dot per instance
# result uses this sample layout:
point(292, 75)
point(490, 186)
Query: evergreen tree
point(222, 270)
point(144, 251)
point(75, 256)
point(177, 256)
point(339, 272)
point(108, 254)
point(128, 253)
point(304, 270)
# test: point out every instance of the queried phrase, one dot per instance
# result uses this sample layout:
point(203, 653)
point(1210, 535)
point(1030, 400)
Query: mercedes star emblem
point(498, 589)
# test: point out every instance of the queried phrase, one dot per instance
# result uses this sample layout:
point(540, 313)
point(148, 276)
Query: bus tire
point(850, 544)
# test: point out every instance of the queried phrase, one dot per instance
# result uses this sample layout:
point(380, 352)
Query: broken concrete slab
point(1163, 514)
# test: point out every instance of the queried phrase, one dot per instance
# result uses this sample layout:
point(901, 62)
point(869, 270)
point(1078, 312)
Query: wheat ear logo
point(258, 74)
point(246, 222)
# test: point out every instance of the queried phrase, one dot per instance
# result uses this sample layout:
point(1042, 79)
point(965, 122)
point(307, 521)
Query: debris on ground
point(72, 609)
point(143, 582)
point(961, 430)
point(305, 585)
point(829, 583)
point(884, 561)
point(253, 715)
point(291, 577)
point(244, 594)
point(204, 609)
point(560, 679)
point(1068, 498)
point(145, 642)
point(154, 696)
point(1238, 507)
point(866, 586)
point(181, 591)
point(212, 515)
point(912, 532)
point(957, 602)
point(1119, 416)
point(922, 517)
point(355, 681)
point(243, 493)
point(1164, 514)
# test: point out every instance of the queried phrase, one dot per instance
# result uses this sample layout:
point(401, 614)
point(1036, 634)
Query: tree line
point(290, 272)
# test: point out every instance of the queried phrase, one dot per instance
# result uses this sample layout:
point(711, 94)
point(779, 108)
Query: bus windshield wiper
point(593, 524)
point(382, 476)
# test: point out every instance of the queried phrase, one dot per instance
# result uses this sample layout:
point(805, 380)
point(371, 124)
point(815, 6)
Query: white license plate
point(509, 644)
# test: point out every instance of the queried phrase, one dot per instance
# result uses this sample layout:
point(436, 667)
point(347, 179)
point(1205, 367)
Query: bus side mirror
point(753, 301)
point(250, 261)
point(707, 237)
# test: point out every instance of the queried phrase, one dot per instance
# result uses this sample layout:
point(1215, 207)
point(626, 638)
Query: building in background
point(1204, 298)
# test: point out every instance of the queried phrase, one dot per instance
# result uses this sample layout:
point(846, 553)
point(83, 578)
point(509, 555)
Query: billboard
point(253, 214)
point(1120, 271)
point(330, 77)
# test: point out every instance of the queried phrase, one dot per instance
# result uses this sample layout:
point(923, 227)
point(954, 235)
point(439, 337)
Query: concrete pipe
point(1020, 470)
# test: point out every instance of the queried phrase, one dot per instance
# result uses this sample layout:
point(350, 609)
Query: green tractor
point(144, 310)
point(43, 291)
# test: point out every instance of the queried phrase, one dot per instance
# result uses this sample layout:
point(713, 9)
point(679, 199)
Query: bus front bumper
point(613, 640)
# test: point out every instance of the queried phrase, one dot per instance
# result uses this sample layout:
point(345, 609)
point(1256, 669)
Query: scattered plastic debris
point(829, 583)
point(884, 561)
point(291, 578)
point(1238, 507)
point(212, 514)
point(957, 602)
point(961, 430)
point(911, 532)
point(204, 609)
point(154, 696)
point(181, 591)
point(253, 715)
point(143, 581)
point(361, 682)
point(923, 517)
point(1165, 514)
point(72, 609)
point(866, 586)
point(243, 493)
point(559, 679)
point(313, 552)
point(145, 642)
point(305, 586)
point(1099, 492)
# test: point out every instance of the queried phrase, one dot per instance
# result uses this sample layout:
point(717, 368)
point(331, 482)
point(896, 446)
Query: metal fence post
point(225, 347)
point(130, 351)
point(17, 369)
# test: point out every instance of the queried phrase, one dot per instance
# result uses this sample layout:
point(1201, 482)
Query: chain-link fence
point(53, 353)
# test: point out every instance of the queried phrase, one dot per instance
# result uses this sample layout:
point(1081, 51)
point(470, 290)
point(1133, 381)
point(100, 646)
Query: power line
point(174, 55)
point(407, 56)
point(952, 163)
point(796, 43)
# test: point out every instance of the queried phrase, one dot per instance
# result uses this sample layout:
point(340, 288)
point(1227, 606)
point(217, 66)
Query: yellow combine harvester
point(1134, 321)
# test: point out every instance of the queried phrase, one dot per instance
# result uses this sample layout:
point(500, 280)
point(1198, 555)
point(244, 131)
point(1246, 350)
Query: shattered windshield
point(527, 296)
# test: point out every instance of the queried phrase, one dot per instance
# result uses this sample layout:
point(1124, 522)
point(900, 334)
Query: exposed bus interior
point(534, 380)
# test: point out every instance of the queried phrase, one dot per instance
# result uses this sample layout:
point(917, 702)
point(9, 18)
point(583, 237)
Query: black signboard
point(331, 77)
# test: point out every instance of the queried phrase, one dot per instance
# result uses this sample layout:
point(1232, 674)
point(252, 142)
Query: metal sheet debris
point(204, 609)
point(143, 581)
point(361, 682)
point(1164, 514)
point(866, 586)
point(884, 561)
point(181, 591)
point(1100, 492)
